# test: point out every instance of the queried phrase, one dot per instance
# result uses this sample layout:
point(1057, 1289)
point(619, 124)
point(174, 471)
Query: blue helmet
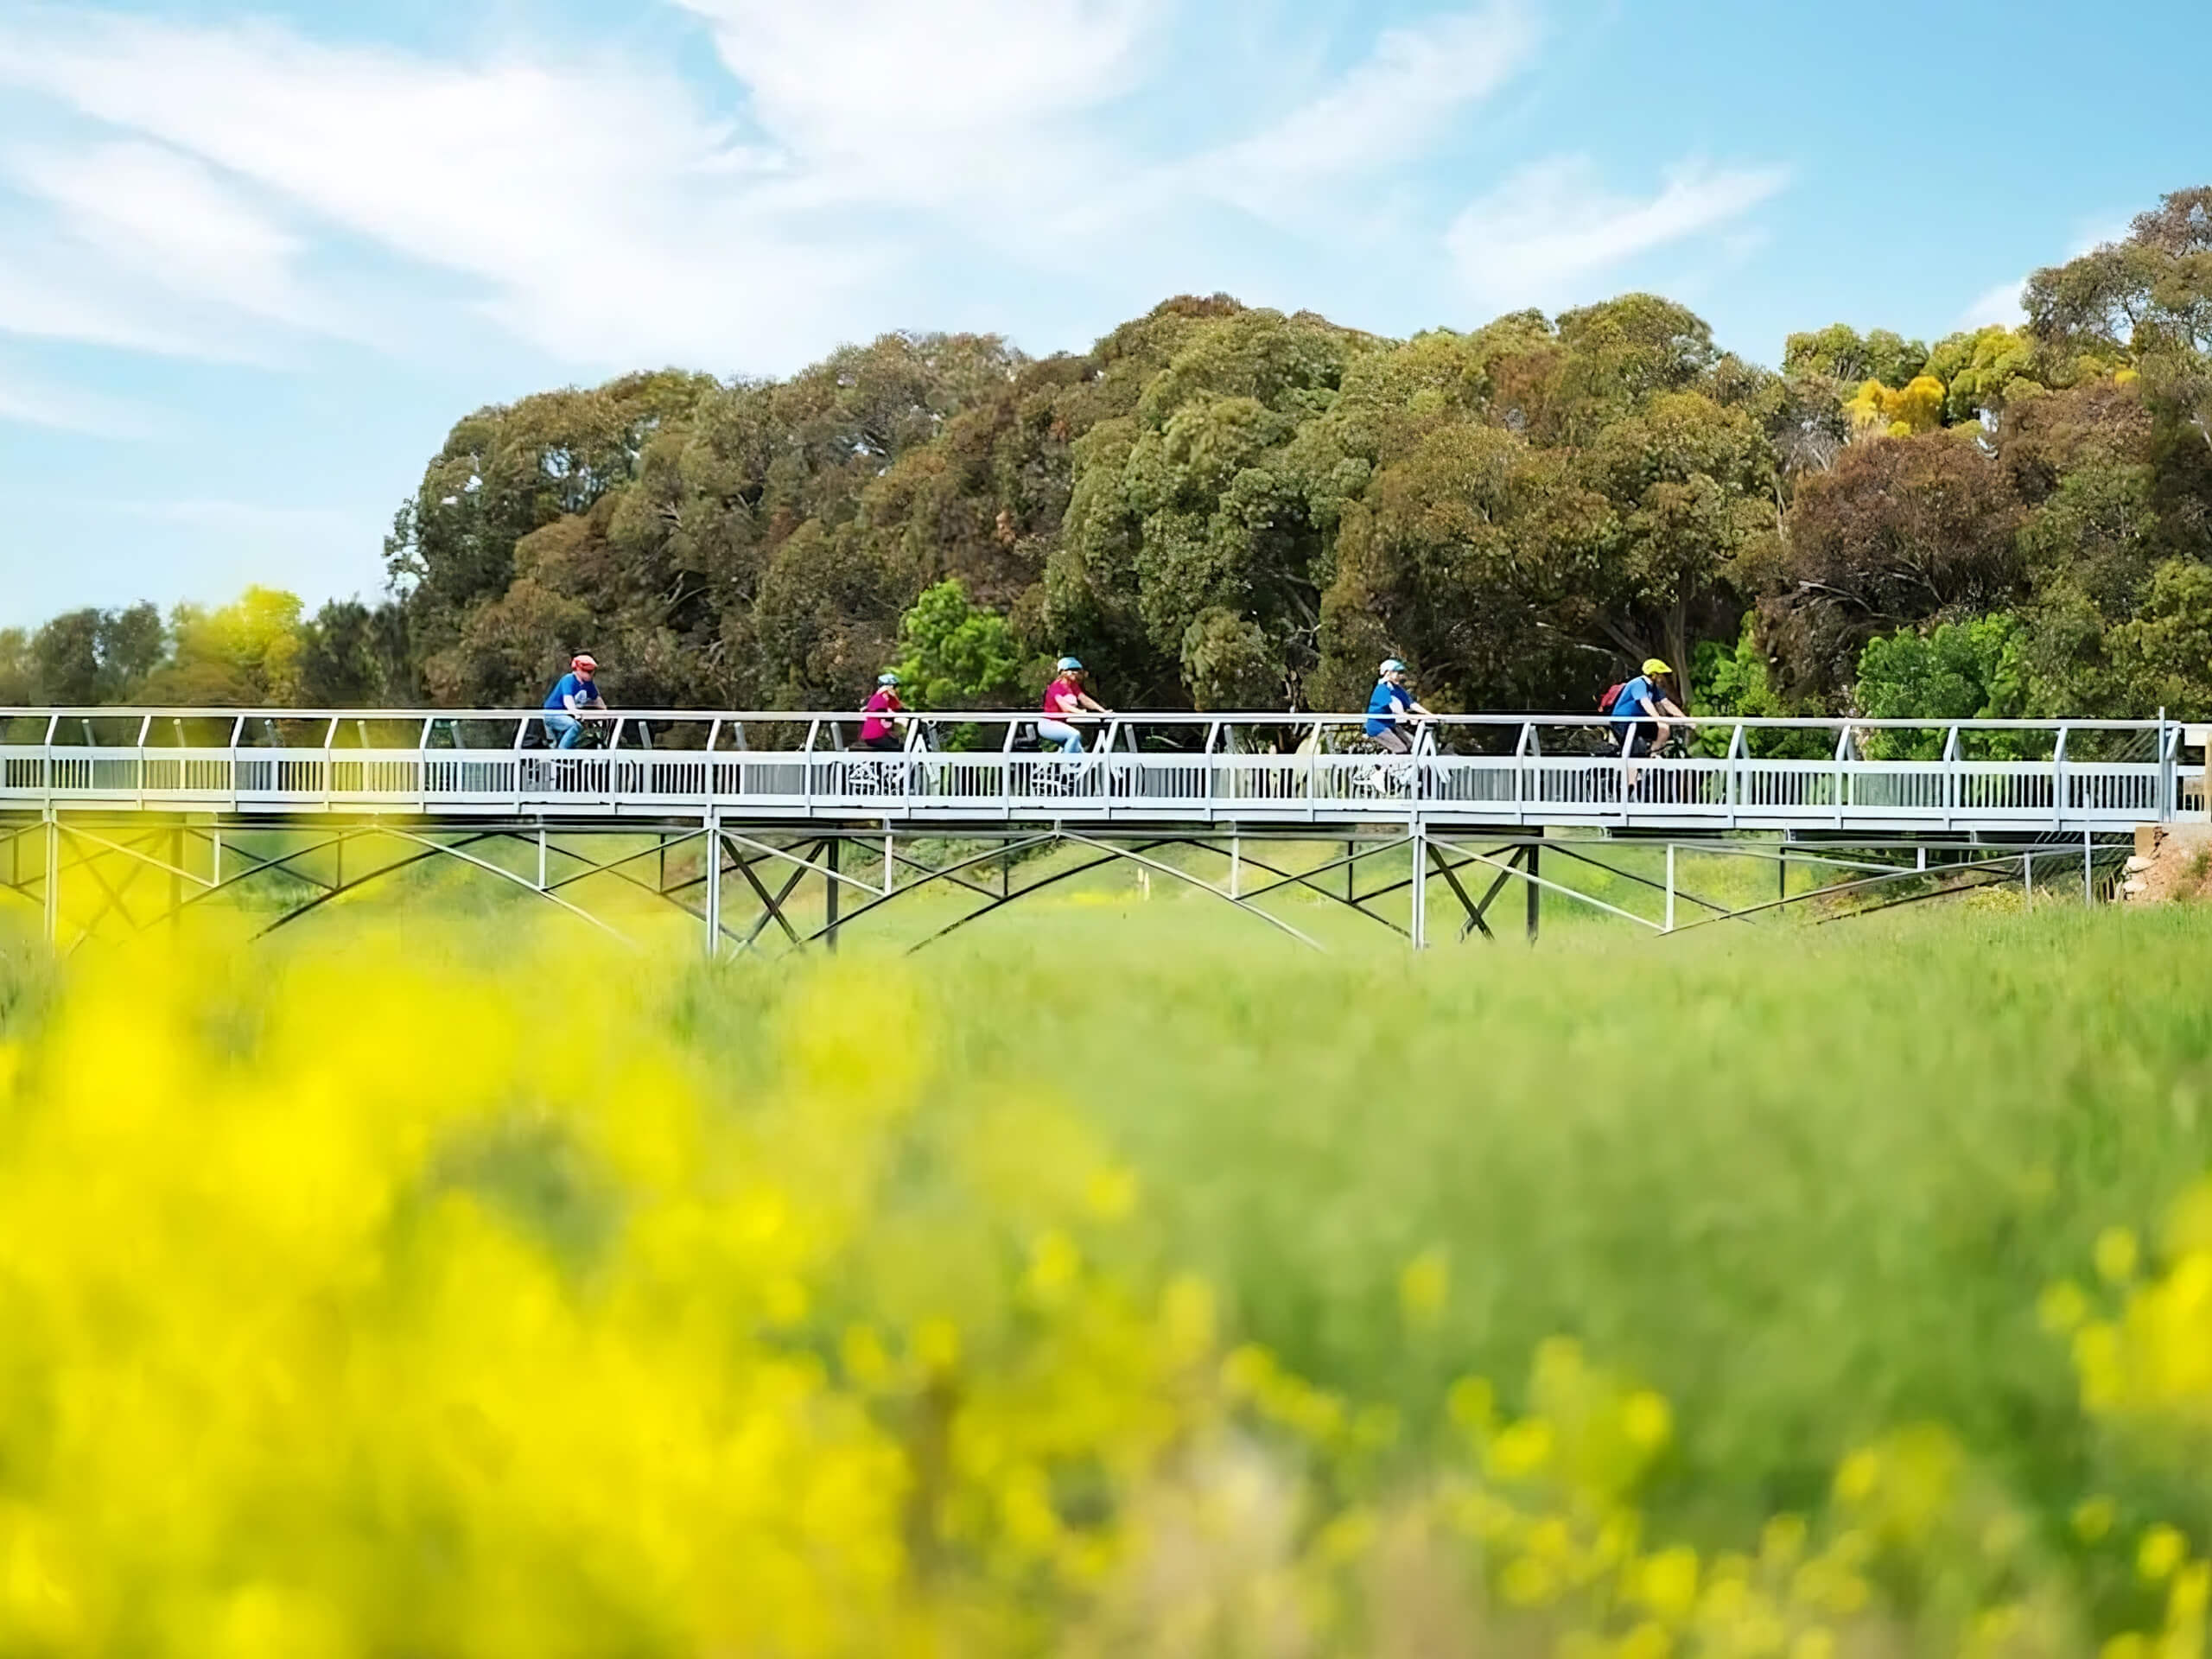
point(1392, 665)
point(1066, 663)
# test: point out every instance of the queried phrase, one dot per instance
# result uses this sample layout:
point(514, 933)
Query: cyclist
point(572, 700)
point(1066, 699)
point(876, 731)
point(1646, 694)
point(1390, 706)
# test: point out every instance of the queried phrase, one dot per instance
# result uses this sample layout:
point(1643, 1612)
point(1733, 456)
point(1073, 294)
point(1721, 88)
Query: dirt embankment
point(2172, 864)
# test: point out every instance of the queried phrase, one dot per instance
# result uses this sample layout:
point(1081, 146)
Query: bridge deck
point(1248, 771)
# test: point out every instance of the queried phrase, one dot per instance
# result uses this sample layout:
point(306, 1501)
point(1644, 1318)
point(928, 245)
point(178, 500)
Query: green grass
point(1809, 1184)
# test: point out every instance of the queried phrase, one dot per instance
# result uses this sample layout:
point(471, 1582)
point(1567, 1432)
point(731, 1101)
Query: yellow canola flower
point(1647, 1420)
point(1423, 1288)
point(2063, 1308)
point(1523, 1449)
point(2162, 1550)
point(2094, 1518)
point(1667, 1584)
point(2118, 1252)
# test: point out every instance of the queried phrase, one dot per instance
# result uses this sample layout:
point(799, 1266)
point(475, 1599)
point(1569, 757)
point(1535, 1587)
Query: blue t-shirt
point(1629, 704)
point(573, 685)
point(1388, 699)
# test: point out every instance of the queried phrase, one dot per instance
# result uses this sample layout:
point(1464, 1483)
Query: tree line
point(1221, 507)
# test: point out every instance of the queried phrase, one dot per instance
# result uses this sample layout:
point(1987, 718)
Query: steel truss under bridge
point(755, 887)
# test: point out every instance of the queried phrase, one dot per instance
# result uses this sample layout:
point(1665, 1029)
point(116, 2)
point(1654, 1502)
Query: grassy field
point(1793, 1290)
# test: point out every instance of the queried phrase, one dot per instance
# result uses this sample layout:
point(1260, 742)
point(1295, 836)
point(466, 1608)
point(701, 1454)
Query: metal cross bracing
point(757, 886)
point(1244, 774)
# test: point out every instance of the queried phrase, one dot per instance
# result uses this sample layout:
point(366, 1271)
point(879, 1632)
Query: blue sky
point(255, 260)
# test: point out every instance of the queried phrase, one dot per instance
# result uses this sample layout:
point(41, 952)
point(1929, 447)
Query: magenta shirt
point(885, 701)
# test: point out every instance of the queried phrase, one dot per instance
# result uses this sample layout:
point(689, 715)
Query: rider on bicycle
point(571, 701)
point(1648, 694)
point(1065, 698)
point(877, 731)
point(1392, 706)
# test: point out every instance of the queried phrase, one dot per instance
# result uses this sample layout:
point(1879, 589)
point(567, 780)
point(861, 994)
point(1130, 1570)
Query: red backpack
point(1612, 695)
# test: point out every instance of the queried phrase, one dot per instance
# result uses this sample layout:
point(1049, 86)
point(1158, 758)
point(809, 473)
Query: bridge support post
point(1418, 926)
point(1536, 894)
point(53, 884)
point(829, 892)
point(1670, 887)
point(713, 897)
point(2088, 871)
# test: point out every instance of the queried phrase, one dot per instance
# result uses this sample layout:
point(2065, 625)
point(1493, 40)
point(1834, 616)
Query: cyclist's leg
point(565, 729)
point(1059, 732)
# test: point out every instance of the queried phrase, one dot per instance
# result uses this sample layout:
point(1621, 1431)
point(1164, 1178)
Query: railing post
point(2169, 808)
point(1842, 750)
point(1950, 776)
point(1522, 750)
point(2058, 781)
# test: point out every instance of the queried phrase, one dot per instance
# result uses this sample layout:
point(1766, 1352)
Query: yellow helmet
point(1653, 665)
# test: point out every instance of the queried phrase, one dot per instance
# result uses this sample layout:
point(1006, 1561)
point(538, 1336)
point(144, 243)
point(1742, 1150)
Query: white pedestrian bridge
point(1251, 770)
point(775, 826)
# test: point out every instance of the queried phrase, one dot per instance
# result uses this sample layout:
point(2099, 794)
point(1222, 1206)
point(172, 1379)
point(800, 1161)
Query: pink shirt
point(885, 701)
point(1064, 697)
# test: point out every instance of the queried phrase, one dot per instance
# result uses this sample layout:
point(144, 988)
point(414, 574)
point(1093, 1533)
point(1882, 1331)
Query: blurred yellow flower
point(2117, 1254)
point(2162, 1550)
point(1423, 1286)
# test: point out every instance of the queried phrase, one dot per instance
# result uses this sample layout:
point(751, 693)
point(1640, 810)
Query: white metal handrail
point(143, 718)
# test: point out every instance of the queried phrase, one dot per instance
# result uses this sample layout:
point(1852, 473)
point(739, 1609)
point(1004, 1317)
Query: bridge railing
point(966, 767)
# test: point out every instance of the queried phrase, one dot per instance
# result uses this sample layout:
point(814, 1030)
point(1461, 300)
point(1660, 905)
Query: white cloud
point(888, 96)
point(1389, 109)
point(159, 215)
point(1546, 234)
point(606, 212)
point(2000, 307)
point(2003, 306)
point(249, 518)
point(601, 214)
point(27, 400)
